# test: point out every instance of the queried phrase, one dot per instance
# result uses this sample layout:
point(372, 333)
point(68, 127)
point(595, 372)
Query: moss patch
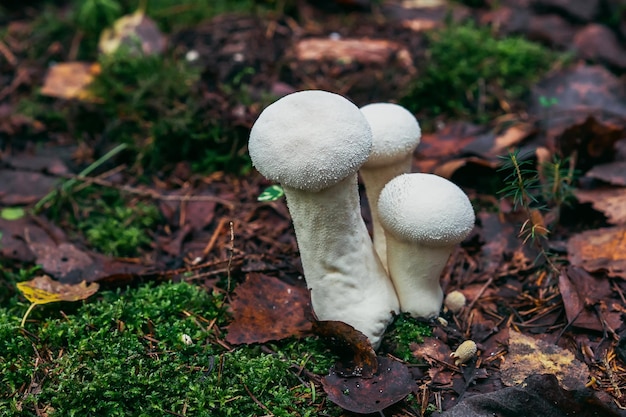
point(471, 74)
point(125, 354)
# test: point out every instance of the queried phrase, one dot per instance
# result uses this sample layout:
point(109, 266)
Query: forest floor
point(162, 285)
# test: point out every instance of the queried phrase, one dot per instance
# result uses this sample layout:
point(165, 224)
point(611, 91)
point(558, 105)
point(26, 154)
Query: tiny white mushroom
point(455, 301)
point(424, 216)
point(466, 351)
point(313, 143)
point(396, 133)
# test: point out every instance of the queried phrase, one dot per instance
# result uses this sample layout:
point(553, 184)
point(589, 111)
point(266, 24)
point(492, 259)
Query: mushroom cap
point(310, 140)
point(396, 133)
point(425, 209)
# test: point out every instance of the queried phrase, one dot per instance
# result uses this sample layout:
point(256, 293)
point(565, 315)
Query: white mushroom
point(313, 143)
point(424, 216)
point(396, 133)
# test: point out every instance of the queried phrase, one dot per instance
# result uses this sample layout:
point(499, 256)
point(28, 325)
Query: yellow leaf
point(43, 290)
point(69, 80)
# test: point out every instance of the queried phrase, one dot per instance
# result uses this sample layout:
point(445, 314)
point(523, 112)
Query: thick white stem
point(415, 271)
point(374, 179)
point(347, 281)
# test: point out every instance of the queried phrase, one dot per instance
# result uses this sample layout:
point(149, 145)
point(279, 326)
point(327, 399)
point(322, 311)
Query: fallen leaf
point(599, 250)
point(538, 396)
point(43, 290)
point(585, 297)
point(609, 201)
point(388, 386)
point(599, 43)
point(356, 355)
point(444, 145)
point(24, 187)
point(69, 80)
point(614, 173)
point(529, 356)
point(593, 140)
point(137, 32)
point(490, 146)
point(266, 308)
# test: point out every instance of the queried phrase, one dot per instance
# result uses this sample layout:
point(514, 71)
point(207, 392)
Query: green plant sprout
point(535, 190)
point(271, 193)
point(548, 102)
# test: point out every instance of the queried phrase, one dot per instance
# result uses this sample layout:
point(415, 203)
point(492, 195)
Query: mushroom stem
point(416, 269)
point(375, 180)
point(350, 285)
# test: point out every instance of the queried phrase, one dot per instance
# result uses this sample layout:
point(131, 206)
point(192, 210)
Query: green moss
point(404, 331)
point(470, 74)
point(120, 231)
point(122, 354)
point(111, 222)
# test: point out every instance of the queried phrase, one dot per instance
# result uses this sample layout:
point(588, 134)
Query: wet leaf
point(357, 357)
point(609, 201)
point(266, 308)
point(529, 356)
point(12, 213)
point(600, 250)
point(388, 386)
point(69, 80)
point(43, 290)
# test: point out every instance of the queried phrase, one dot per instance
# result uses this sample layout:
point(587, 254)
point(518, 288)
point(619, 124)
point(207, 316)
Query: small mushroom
point(424, 216)
point(313, 143)
point(466, 351)
point(396, 133)
point(454, 301)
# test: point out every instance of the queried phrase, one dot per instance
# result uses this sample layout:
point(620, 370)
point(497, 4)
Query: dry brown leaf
point(613, 173)
point(610, 201)
point(43, 290)
point(69, 80)
point(600, 249)
point(266, 308)
point(528, 356)
point(585, 298)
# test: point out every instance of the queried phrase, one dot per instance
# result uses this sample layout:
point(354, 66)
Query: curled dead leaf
point(43, 290)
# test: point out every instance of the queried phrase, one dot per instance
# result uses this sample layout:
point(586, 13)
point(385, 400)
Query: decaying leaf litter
point(212, 226)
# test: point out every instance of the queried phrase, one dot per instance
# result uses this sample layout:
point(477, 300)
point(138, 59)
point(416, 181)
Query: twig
point(8, 55)
point(150, 193)
point(230, 256)
point(256, 401)
point(70, 183)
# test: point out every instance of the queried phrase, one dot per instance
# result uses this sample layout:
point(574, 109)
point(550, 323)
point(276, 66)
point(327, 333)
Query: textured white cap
point(395, 132)
point(310, 140)
point(426, 209)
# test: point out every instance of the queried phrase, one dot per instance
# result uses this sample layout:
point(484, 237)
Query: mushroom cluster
point(314, 143)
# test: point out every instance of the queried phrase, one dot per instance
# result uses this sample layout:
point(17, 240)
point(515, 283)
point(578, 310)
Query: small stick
point(230, 256)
